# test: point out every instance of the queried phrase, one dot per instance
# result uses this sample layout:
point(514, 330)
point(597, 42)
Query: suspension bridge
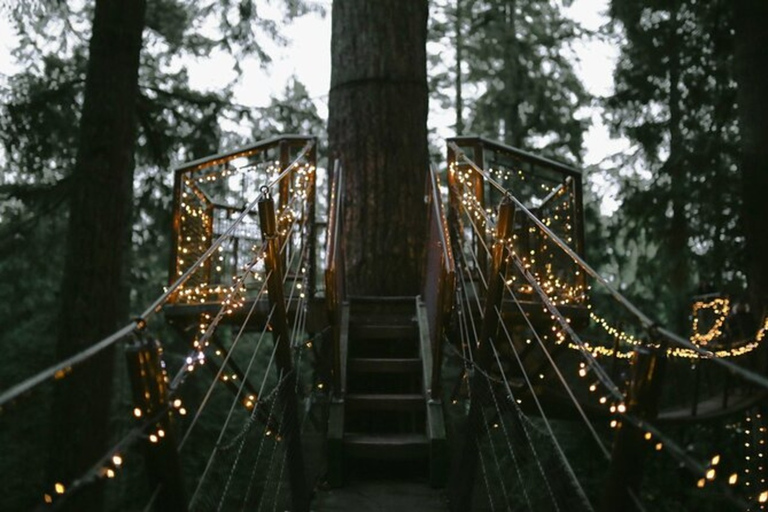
point(518, 379)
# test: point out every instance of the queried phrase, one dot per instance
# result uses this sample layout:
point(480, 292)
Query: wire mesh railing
point(501, 276)
point(227, 382)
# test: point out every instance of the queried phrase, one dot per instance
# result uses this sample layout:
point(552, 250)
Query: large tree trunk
point(94, 291)
point(752, 74)
point(377, 126)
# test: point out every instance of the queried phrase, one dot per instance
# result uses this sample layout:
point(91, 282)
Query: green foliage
point(516, 66)
point(679, 188)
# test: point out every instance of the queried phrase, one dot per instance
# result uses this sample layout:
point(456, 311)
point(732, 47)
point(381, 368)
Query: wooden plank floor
point(380, 496)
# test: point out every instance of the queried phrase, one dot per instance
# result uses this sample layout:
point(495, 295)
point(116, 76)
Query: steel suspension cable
point(560, 376)
point(646, 321)
point(547, 423)
point(64, 367)
point(235, 401)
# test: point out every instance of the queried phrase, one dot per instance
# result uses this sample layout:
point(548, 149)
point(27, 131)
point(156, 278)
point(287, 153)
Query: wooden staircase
point(383, 413)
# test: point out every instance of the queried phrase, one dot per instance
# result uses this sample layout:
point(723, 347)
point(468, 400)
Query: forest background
point(672, 226)
point(664, 193)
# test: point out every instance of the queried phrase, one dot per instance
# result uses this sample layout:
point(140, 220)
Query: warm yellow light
point(177, 403)
point(117, 460)
point(161, 433)
point(110, 473)
point(659, 446)
point(701, 483)
point(710, 475)
point(59, 488)
point(763, 497)
point(137, 412)
point(733, 479)
point(622, 408)
point(48, 498)
point(715, 460)
point(153, 438)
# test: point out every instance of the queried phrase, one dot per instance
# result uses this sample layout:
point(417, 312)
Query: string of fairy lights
point(554, 292)
point(195, 236)
point(197, 211)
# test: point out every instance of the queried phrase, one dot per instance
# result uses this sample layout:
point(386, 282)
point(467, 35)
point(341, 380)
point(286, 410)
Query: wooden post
point(149, 386)
point(629, 446)
point(466, 464)
point(283, 359)
point(312, 233)
point(696, 385)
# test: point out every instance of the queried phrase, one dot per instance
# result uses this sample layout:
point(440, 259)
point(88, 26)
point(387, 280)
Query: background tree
point(512, 78)
point(41, 105)
point(674, 99)
point(94, 295)
point(752, 75)
point(377, 126)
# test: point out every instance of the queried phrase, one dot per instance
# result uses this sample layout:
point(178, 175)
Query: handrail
point(644, 320)
point(138, 323)
point(335, 289)
point(439, 276)
point(243, 151)
point(519, 153)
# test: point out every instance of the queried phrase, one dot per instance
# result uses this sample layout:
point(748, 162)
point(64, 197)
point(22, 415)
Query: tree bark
point(458, 23)
point(94, 291)
point(377, 126)
point(676, 168)
point(751, 62)
point(512, 77)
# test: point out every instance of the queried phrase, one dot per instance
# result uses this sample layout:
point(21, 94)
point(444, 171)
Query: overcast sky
point(308, 57)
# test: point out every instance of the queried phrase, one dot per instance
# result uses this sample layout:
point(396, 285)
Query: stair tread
point(382, 330)
point(384, 396)
point(385, 439)
point(384, 364)
point(385, 402)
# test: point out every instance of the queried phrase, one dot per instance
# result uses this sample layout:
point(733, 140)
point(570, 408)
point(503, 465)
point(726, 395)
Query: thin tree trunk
point(513, 129)
point(378, 127)
point(94, 291)
point(678, 234)
point(457, 24)
point(751, 62)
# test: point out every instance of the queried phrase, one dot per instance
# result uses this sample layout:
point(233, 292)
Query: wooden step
point(387, 446)
point(383, 331)
point(385, 402)
point(384, 364)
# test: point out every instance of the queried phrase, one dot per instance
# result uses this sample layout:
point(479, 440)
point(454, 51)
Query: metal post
point(696, 385)
point(629, 447)
point(149, 386)
point(312, 206)
point(283, 359)
point(284, 188)
point(466, 464)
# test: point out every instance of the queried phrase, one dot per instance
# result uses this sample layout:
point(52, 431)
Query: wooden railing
point(439, 277)
point(335, 289)
point(210, 192)
point(480, 170)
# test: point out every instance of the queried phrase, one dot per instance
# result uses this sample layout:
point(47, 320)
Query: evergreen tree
point(512, 78)
point(675, 100)
point(752, 75)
